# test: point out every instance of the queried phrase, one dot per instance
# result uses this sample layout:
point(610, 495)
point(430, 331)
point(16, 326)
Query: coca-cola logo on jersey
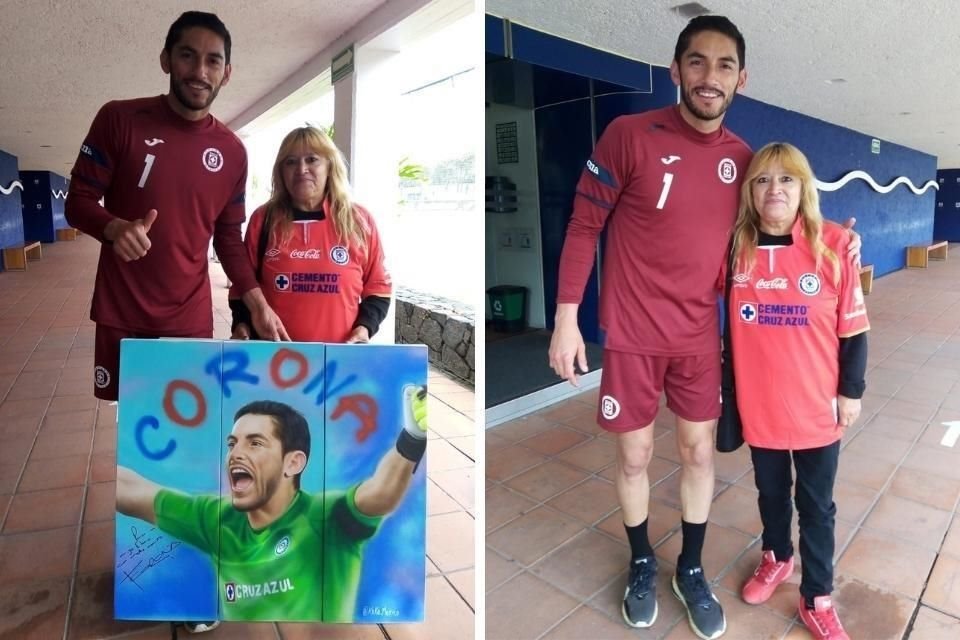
point(305, 254)
point(776, 283)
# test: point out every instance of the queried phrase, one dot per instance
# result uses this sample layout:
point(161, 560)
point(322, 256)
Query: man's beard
point(700, 113)
point(192, 104)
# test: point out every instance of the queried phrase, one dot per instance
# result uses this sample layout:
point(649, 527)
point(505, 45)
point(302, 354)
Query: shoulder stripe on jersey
point(90, 181)
point(347, 523)
point(599, 203)
point(94, 154)
point(601, 174)
point(241, 197)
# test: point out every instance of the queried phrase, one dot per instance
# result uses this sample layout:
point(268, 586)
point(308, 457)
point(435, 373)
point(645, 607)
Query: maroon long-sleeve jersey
point(140, 155)
point(671, 195)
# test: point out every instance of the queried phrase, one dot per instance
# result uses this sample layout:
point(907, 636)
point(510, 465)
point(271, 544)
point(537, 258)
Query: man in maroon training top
point(171, 177)
point(669, 181)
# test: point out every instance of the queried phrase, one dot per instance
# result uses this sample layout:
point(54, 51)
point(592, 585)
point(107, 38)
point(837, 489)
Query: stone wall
point(445, 326)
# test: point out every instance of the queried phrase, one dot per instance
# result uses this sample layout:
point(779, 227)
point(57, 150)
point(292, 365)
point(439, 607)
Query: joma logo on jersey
point(233, 592)
point(594, 169)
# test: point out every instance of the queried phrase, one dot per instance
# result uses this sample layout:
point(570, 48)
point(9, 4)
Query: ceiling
point(60, 60)
point(900, 60)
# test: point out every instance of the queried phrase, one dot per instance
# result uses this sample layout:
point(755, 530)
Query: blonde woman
point(798, 331)
point(317, 253)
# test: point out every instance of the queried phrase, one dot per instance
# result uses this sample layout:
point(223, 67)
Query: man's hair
point(290, 427)
point(190, 19)
point(720, 24)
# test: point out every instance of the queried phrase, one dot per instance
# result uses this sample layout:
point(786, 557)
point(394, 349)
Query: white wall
point(516, 266)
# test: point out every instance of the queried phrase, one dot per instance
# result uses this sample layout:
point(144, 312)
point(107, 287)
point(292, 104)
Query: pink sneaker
point(822, 621)
point(764, 581)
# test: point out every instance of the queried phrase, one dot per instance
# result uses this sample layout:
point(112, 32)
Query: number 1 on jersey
point(148, 164)
point(667, 181)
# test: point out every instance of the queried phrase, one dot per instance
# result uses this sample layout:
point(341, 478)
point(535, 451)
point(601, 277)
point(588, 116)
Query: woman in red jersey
point(316, 252)
point(798, 332)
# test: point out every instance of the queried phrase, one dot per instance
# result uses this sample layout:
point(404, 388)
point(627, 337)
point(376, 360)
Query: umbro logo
point(669, 159)
point(154, 142)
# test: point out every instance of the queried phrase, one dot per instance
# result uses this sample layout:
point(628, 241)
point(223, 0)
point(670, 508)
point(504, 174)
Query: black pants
point(816, 473)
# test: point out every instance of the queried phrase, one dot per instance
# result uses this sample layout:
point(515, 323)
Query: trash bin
point(508, 304)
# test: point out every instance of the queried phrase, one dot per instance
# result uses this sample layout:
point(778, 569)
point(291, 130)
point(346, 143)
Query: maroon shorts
point(631, 384)
point(106, 358)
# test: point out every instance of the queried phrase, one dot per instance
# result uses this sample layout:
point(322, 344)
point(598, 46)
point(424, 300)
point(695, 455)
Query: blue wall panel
point(493, 35)
point(37, 212)
point(58, 192)
point(888, 222)
point(946, 220)
point(610, 104)
point(11, 221)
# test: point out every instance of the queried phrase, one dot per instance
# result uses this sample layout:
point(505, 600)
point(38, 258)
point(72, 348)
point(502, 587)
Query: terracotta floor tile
point(458, 484)
point(101, 502)
point(730, 467)
point(75, 406)
point(876, 445)
point(721, 547)
point(911, 410)
point(497, 570)
point(610, 600)
point(503, 505)
point(658, 470)
point(943, 586)
point(9, 474)
point(870, 612)
point(52, 474)
point(465, 584)
point(533, 535)
point(438, 501)
point(926, 488)
point(886, 562)
point(38, 510)
point(554, 441)
point(587, 622)
point(450, 541)
point(523, 428)
point(448, 616)
point(588, 501)
point(863, 470)
point(668, 490)
point(511, 461)
point(918, 523)
point(564, 410)
point(583, 565)
point(68, 421)
point(54, 444)
point(592, 455)
point(37, 555)
point(546, 480)
point(662, 519)
point(737, 508)
point(951, 543)
point(493, 442)
point(96, 547)
point(853, 500)
point(930, 625)
point(441, 456)
point(510, 614)
point(103, 468)
point(91, 615)
point(105, 440)
point(937, 460)
point(16, 449)
point(32, 408)
point(34, 610)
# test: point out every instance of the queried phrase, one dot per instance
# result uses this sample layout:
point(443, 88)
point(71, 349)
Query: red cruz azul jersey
point(313, 281)
point(671, 194)
point(786, 321)
point(140, 155)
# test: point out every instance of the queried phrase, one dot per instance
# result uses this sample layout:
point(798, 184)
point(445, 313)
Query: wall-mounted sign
point(875, 146)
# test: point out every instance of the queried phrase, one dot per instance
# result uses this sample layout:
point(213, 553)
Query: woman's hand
point(241, 332)
point(359, 335)
point(848, 410)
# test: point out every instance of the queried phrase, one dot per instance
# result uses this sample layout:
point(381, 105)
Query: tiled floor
point(556, 551)
point(58, 464)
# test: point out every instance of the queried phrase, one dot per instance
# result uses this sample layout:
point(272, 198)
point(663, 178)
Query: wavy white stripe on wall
point(58, 194)
point(9, 189)
point(863, 175)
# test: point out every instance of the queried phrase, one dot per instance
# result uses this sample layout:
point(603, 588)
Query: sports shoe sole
point(693, 627)
point(640, 625)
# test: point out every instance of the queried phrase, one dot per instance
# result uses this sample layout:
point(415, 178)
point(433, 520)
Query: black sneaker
point(640, 597)
point(703, 609)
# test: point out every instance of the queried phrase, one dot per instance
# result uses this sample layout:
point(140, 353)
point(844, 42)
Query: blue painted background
point(11, 221)
point(393, 575)
point(888, 222)
point(946, 220)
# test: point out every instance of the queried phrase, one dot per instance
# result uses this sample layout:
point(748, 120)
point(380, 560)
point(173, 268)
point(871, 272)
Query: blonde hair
point(349, 225)
point(747, 227)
